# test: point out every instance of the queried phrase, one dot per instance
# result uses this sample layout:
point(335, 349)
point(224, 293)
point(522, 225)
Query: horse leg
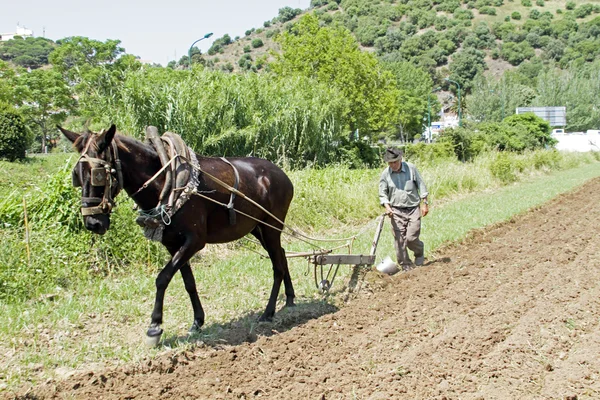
point(179, 259)
point(190, 287)
point(271, 241)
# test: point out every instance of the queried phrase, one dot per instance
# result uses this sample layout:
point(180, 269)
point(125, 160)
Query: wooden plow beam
point(359, 261)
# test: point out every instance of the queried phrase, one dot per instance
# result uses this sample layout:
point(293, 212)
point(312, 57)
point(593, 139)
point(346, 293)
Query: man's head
point(393, 156)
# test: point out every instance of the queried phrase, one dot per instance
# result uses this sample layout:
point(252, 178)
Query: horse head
point(98, 173)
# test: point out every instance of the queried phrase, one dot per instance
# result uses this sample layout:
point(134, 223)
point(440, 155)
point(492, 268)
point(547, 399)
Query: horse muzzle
point(97, 223)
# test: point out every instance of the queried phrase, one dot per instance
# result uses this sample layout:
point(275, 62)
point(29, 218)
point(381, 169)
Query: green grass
point(101, 313)
point(32, 171)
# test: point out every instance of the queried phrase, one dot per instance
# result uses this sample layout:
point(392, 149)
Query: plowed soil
point(511, 312)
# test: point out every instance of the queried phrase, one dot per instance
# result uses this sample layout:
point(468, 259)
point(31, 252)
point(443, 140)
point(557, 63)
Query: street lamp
point(459, 111)
point(190, 50)
point(429, 113)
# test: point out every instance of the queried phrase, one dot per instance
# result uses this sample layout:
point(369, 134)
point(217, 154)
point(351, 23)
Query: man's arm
point(423, 193)
point(384, 194)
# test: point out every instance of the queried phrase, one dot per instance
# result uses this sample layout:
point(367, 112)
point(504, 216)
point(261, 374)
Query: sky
point(156, 31)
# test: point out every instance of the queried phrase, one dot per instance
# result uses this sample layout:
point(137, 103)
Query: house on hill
point(21, 31)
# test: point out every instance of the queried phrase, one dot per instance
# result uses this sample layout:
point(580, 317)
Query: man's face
point(395, 165)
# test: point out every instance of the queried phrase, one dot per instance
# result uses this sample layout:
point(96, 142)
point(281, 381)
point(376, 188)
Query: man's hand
point(424, 209)
point(388, 210)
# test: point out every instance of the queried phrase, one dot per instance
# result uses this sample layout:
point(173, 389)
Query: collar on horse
point(102, 174)
point(181, 168)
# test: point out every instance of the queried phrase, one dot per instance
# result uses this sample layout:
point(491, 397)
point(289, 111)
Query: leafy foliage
point(14, 138)
point(27, 52)
point(45, 101)
point(338, 62)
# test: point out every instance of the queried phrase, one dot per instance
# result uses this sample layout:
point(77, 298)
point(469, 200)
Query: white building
point(21, 31)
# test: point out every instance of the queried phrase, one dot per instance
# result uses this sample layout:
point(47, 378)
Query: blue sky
point(157, 31)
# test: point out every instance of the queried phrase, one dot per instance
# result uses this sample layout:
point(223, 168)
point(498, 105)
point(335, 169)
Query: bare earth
point(513, 312)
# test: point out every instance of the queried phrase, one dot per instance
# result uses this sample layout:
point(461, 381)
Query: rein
point(102, 174)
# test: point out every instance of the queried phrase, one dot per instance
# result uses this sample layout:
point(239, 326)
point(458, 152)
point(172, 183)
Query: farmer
point(404, 195)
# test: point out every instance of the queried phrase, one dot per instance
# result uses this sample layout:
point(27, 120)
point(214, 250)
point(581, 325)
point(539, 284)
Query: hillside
point(494, 35)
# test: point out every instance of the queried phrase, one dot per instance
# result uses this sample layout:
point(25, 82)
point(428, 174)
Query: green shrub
point(538, 130)
point(358, 154)
point(464, 142)
point(547, 159)
point(14, 137)
point(503, 169)
point(540, 3)
point(487, 10)
point(516, 15)
point(429, 153)
point(256, 43)
point(526, 3)
point(570, 5)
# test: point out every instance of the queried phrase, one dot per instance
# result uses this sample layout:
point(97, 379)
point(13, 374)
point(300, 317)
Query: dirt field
point(513, 312)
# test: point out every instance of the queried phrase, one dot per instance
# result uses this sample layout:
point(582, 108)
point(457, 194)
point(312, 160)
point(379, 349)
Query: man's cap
point(392, 154)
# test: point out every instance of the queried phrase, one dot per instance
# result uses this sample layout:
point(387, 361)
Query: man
point(404, 195)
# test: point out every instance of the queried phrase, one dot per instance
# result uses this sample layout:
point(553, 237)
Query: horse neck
point(139, 163)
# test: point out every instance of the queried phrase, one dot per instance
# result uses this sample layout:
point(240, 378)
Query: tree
point(45, 100)
point(288, 13)
point(465, 65)
point(14, 139)
point(516, 53)
point(29, 52)
point(256, 43)
point(7, 75)
point(415, 86)
point(76, 57)
point(331, 55)
point(95, 70)
point(537, 128)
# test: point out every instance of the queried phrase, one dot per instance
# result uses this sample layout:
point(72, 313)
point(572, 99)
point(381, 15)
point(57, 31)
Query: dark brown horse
point(120, 162)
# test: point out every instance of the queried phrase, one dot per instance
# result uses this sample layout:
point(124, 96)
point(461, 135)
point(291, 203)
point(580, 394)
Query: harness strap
point(105, 204)
point(232, 195)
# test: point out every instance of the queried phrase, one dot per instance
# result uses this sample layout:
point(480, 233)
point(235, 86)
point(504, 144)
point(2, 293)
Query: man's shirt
point(402, 189)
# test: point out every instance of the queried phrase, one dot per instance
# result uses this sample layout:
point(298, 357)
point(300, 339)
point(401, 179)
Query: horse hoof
point(195, 328)
point(264, 318)
point(153, 336)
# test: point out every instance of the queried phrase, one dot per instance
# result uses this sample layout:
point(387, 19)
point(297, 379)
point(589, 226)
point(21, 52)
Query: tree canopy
point(31, 52)
point(331, 56)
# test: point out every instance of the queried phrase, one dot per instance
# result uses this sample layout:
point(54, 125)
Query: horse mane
point(124, 143)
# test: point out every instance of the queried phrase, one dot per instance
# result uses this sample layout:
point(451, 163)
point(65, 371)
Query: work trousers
point(406, 226)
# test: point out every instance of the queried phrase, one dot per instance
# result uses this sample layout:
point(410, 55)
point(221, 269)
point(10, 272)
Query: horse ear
point(72, 136)
point(106, 138)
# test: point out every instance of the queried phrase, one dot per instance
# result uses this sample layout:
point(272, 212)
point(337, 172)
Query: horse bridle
point(102, 174)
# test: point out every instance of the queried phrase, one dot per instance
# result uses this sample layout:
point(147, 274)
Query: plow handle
point(377, 235)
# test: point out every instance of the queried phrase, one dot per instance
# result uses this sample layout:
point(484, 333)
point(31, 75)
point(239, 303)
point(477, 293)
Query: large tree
point(27, 52)
point(95, 70)
point(7, 88)
point(331, 56)
point(77, 55)
point(414, 96)
point(45, 100)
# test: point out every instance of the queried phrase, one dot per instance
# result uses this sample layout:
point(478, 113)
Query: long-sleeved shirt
point(402, 189)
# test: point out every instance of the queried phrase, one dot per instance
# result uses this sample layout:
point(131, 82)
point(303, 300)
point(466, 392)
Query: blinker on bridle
point(102, 174)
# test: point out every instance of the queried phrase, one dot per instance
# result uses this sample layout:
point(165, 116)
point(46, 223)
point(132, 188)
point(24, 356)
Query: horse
point(121, 162)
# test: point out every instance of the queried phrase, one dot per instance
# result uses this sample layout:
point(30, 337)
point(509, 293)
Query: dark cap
point(392, 154)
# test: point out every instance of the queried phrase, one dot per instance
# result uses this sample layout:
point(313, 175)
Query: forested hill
point(354, 72)
point(465, 36)
point(444, 37)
